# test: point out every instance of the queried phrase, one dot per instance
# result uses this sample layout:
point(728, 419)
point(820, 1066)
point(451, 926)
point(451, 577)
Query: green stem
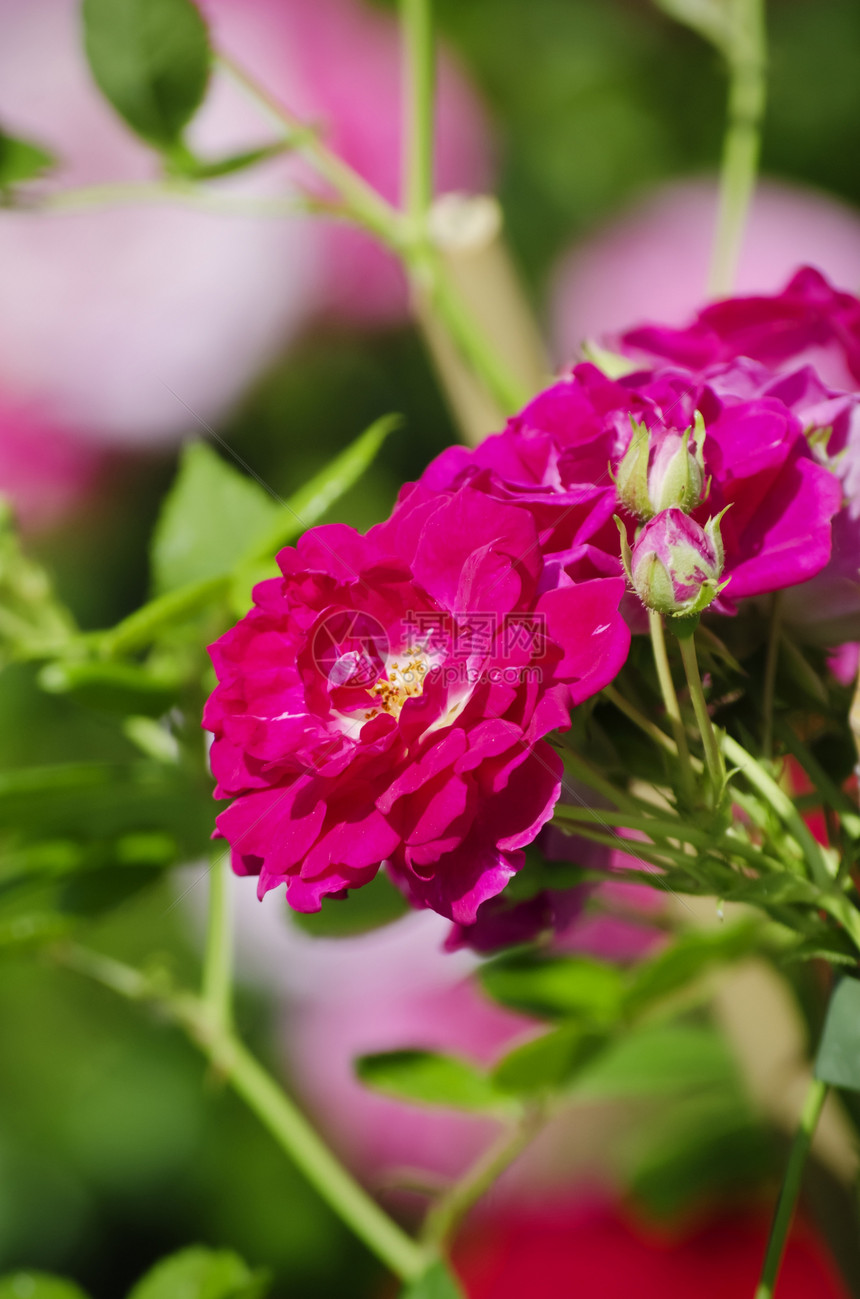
point(444, 1218)
point(769, 687)
point(416, 17)
point(365, 205)
point(746, 53)
point(217, 986)
point(651, 729)
point(713, 757)
point(812, 1107)
point(268, 1101)
point(143, 626)
point(582, 770)
point(670, 701)
point(783, 806)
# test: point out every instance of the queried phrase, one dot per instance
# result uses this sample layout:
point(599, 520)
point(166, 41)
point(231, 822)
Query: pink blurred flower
point(44, 471)
point(387, 699)
point(652, 262)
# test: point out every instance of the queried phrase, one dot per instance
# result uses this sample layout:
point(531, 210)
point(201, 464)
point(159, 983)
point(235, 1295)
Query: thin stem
point(639, 719)
point(660, 829)
point(217, 985)
point(769, 689)
point(366, 205)
point(670, 701)
point(713, 757)
point(416, 17)
point(268, 1101)
point(746, 52)
point(444, 1218)
point(582, 770)
point(812, 1107)
point(144, 625)
point(295, 1135)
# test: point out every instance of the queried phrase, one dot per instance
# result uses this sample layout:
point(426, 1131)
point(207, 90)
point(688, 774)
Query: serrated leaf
point(151, 60)
point(21, 160)
point(199, 1273)
point(549, 1062)
point(436, 1283)
point(556, 986)
point(838, 1059)
point(211, 515)
point(428, 1078)
point(373, 905)
point(38, 1285)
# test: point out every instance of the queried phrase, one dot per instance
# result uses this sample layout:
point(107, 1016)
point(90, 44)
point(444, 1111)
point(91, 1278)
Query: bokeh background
point(123, 334)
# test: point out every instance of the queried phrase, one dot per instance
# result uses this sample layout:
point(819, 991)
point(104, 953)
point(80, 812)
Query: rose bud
point(675, 564)
point(659, 470)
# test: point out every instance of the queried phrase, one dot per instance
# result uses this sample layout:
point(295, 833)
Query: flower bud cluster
point(675, 563)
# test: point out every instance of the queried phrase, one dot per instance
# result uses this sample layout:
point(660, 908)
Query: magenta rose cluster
point(388, 699)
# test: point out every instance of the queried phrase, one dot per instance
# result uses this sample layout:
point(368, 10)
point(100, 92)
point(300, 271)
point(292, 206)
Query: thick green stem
point(713, 757)
point(444, 1218)
point(670, 701)
point(812, 1107)
point(416, 18)
point(268, 1101)
point(217, 986)
point(746, 51)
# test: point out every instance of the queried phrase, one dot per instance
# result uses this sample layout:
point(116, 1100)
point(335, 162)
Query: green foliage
point(659, 1060)
point(371, 906)
point(555, 986)
point(687, 959)
point(211, 517)
point(21, 160)
point(33, 623)
point(550, 1062)
point(838, 1058)
point(122, 688)
point(427, 1078)
point(151, 60)
point(199, 1273)
point(38, 1285)
point(711, 19)
point(436, 1283)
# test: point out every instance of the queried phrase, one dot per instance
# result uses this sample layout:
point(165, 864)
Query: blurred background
point(125, 332)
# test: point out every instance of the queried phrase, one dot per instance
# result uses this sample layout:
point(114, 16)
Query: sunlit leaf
point(549, 1062)
point(21, 160)
point(426, 1078)
point(555, 986)
point(199, 1273)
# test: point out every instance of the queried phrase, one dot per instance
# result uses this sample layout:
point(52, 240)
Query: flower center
point(403, 680)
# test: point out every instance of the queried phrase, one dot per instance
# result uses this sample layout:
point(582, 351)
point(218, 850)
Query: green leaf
point(838, 1058)
point(555, 986)
point(779, 889)
point(425, 1078)
point(436, 1283)
point(658, 1061)
point(373, 905)
point(199, 1273)
point(38, 1285)
point(151, 60)
point(310, 502)
point(549, 1062)
point(211, 515)
point(21, 160)
point(687, 959)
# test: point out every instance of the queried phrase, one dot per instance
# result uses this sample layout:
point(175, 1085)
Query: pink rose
point(387, 700)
